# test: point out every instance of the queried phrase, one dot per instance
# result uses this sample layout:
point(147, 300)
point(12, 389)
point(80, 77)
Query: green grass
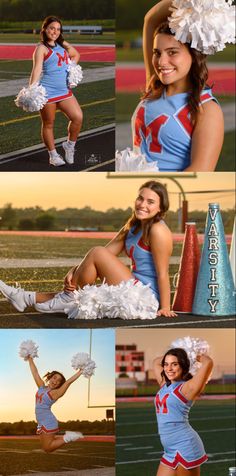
point(9, 70)
point(227, 157)
point(209, 418)
point(25, 133)
point(23, 456)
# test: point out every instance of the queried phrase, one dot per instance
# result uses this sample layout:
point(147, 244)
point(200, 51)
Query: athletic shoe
point(69, 152)
point(19, 298)
point(57, 304)
point(72, 436)
point(56, 160)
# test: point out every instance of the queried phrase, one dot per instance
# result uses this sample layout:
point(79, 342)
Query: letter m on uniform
point(161, 405)
point(61, 58)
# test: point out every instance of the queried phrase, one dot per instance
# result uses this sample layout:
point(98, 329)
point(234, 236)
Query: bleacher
point(83, 29)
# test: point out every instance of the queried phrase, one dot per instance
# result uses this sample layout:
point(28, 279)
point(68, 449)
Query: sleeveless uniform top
point(182, 445)
point(143, 267)
point(47, 422)
point(54, 74)
point(162, 130)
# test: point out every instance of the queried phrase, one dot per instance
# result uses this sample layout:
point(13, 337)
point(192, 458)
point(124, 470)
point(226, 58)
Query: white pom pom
point(75, 74)
point(128, 300)
point(193, 346)
point(28, 348)
point(82, 361)
point(206, 24)
point(32, 99)
point(130, 160)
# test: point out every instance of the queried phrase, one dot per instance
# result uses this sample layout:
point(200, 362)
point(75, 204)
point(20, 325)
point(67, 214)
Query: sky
point(56, 348)
point(77, 190)
point(156, 342)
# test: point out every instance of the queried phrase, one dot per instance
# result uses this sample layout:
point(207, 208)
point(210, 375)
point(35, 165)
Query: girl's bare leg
point(51, 443)
point(48, 118)
point(165, 471)
point(188, 472)
point(100, 263)
point(70, 107)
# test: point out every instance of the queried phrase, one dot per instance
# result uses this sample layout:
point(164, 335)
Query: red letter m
point(161, 404)
point(62, 58)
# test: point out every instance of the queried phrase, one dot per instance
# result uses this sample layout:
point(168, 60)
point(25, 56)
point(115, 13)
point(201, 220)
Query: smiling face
point(172, 368)
point(55, 381)
point(172, 62)
point(53, 31)
point(147, 204)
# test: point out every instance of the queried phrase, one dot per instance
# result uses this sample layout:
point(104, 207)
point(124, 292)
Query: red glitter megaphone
point(188, 271)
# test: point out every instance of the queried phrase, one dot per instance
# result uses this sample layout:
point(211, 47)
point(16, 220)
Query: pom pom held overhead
point(28, 348)
point(193, 346)
point(208, 25)
point(82, 361)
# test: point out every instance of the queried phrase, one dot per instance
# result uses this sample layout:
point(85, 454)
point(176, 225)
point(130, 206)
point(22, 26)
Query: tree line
point(35, 218)
point(103, 427)
point(26, 10)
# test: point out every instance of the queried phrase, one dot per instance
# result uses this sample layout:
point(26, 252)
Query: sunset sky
point(156, 342)
point(56, 348)
point(100, 193)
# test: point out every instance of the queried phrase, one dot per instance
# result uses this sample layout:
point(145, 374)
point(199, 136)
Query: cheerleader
point(49, 391)
point(178, 125)
point(147, 241)
point(183, 449)
point(50, 68)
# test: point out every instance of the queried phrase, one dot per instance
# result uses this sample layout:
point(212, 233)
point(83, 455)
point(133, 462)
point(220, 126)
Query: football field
point(138, 449)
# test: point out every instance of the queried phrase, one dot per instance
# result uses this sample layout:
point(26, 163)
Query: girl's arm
point(207, 138)
point(117, 244)
point(161, 247)
point(59, 392)
point(152, 19)
point(193, 387)
point(38, 58)
point(158, 369)
point(38, 380)
point(72, 52)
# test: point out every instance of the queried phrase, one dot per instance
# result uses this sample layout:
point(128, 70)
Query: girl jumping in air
point(178, 124)
point(50, 64)
point(56, 386)
point(183, 449)
point(147, 241)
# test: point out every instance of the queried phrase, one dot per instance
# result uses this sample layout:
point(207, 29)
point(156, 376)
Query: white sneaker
point(19, 298)
point(57, 304)
point(69, 152)
point(56, 160)
point(72, 436)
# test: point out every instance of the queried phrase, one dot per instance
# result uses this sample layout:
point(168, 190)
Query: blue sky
point(56, 348)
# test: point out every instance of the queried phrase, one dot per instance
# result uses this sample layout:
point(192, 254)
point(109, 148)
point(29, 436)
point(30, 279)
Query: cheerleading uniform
point(182, 445)
point(162, 130)
point(143, 267)
point(47, 422)
point(54, 74)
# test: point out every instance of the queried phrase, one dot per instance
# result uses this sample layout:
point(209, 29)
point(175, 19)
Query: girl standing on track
point(46, 396)
point(183, 448)
point(50, 63)
point(178, 124)
point(146, 239)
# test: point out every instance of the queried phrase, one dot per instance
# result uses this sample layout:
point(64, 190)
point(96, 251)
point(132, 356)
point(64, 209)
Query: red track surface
point(103, 438)
point(88, 53)
point(177, 237)
point(133, 80)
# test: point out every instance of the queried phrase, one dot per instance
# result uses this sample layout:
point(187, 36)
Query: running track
point(133, 80)
point(97, 438)
point(177, 237)
point(101, 53)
